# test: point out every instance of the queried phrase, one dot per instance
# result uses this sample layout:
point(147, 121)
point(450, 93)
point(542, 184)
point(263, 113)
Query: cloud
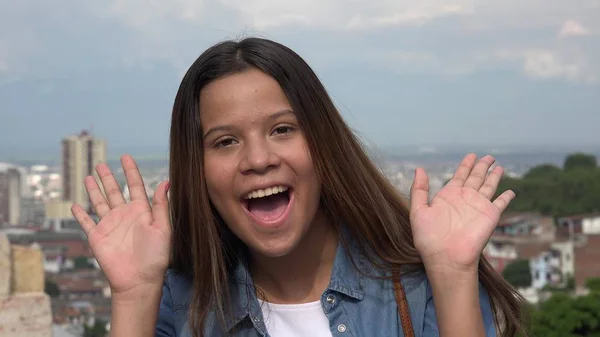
point(144, 14)
point(572, 28)
point(419, 62)
point(430, 36)
point(546, 65)
point(537, 64)
point(413, 17)
point(343, 14)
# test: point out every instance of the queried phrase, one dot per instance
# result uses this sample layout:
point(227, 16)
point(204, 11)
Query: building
point(25, 310)
point(583, 224)
point(566, 251)
point(60, 250)
point(82, 284)
point(546, 269)
point(59, 217)
point(525, 227)
point(519, 236)
point(587, 259)
point(10, 194)
point(500, 254)
point(33, 211)
point(80, 155)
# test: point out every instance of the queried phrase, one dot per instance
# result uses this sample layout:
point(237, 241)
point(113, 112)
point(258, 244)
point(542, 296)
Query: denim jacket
point(355, 304)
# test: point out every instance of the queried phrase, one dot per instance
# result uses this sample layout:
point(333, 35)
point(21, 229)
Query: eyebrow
point(272, 116)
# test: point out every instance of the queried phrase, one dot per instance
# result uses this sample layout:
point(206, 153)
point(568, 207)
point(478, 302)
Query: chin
point(275, 247)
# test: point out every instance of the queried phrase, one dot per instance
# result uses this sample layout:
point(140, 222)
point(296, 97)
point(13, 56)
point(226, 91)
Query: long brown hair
point(354, 191)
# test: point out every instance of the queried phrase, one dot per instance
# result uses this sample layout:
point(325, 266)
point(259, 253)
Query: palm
point(129, 247)
point(455, 226)
point(131, 241)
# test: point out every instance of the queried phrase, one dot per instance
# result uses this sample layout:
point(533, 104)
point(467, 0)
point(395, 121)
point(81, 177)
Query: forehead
point(238, 97)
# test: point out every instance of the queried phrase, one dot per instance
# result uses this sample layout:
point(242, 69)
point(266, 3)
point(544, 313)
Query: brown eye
point(225, 142)
point(282, 130)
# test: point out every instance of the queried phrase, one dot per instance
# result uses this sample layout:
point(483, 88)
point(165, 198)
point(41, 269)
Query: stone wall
point(25, 309)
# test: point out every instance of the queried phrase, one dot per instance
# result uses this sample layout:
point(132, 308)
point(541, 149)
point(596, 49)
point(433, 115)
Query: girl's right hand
point(131, 242)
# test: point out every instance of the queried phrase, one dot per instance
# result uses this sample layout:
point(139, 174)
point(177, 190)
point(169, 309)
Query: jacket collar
point(345, 279)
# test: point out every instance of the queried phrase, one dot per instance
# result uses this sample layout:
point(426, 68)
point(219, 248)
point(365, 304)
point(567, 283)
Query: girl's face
point(259, 171)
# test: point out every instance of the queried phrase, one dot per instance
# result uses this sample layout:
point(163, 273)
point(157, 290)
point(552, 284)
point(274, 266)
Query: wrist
point(450, 278)
point(458, 308)
point(136, 294)
point(442, 265)
point(456, 299)
point(135, 313)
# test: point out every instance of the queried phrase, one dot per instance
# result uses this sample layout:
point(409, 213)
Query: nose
point(258, 157)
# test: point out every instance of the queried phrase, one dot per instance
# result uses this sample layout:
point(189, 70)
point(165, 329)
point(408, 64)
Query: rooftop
point(580, 216)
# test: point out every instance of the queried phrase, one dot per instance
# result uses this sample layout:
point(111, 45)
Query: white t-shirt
point(295, 320)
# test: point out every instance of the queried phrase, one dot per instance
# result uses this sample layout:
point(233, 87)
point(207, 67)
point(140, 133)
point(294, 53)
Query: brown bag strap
point(403, 307)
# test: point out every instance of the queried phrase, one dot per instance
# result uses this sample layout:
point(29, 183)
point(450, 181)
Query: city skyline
point(51, 153)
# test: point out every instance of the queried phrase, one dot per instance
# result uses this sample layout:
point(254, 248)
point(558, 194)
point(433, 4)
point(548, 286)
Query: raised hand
point(132, 240)
point(451, 231)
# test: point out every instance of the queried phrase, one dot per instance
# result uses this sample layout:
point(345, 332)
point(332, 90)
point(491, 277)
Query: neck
point(302, 275)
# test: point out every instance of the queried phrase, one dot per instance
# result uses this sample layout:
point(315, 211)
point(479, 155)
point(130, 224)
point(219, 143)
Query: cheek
point(219, 180)
point(308, 169)
point(302, 160)
point(307, 175)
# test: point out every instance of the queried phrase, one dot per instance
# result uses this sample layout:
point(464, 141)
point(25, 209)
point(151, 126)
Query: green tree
point(557, 192)
point(97, 330)
point(518, 273)
point(565, 316)
point(570, 282)
point(51, 288)
point(580, 160)
point(82, 262)
point(593, 284)
point(544, 171)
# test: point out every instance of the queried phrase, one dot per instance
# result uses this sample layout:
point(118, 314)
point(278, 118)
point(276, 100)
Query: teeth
point(266, 192)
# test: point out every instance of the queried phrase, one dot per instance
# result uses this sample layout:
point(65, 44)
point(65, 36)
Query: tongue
point(268, 208)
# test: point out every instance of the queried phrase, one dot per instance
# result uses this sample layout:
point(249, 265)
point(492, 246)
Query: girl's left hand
point(451, 231)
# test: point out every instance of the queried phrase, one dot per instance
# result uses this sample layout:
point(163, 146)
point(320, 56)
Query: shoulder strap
point(403, 307)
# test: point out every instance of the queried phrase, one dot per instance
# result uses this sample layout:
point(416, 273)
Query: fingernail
point(168, 186)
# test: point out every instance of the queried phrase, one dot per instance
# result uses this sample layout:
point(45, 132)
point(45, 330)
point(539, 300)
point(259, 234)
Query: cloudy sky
point(402, 72)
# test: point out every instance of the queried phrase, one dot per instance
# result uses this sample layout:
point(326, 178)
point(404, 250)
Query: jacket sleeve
point(165, 326)
point(430, 326)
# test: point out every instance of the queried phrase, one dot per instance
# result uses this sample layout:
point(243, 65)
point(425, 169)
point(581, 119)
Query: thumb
point(419, 191)
point(160, 205)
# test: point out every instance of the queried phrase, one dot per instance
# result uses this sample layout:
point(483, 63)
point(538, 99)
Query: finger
point(463, 171)
point(137, 191)
point(504, 199)
point(479, 173)
point(419, 192)
point(491, 182)
point(84, 219)
point(160, 204)
point(96, 197)
point(111, 187)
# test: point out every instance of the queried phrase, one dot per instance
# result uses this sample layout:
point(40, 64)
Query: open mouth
point(268, 205)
